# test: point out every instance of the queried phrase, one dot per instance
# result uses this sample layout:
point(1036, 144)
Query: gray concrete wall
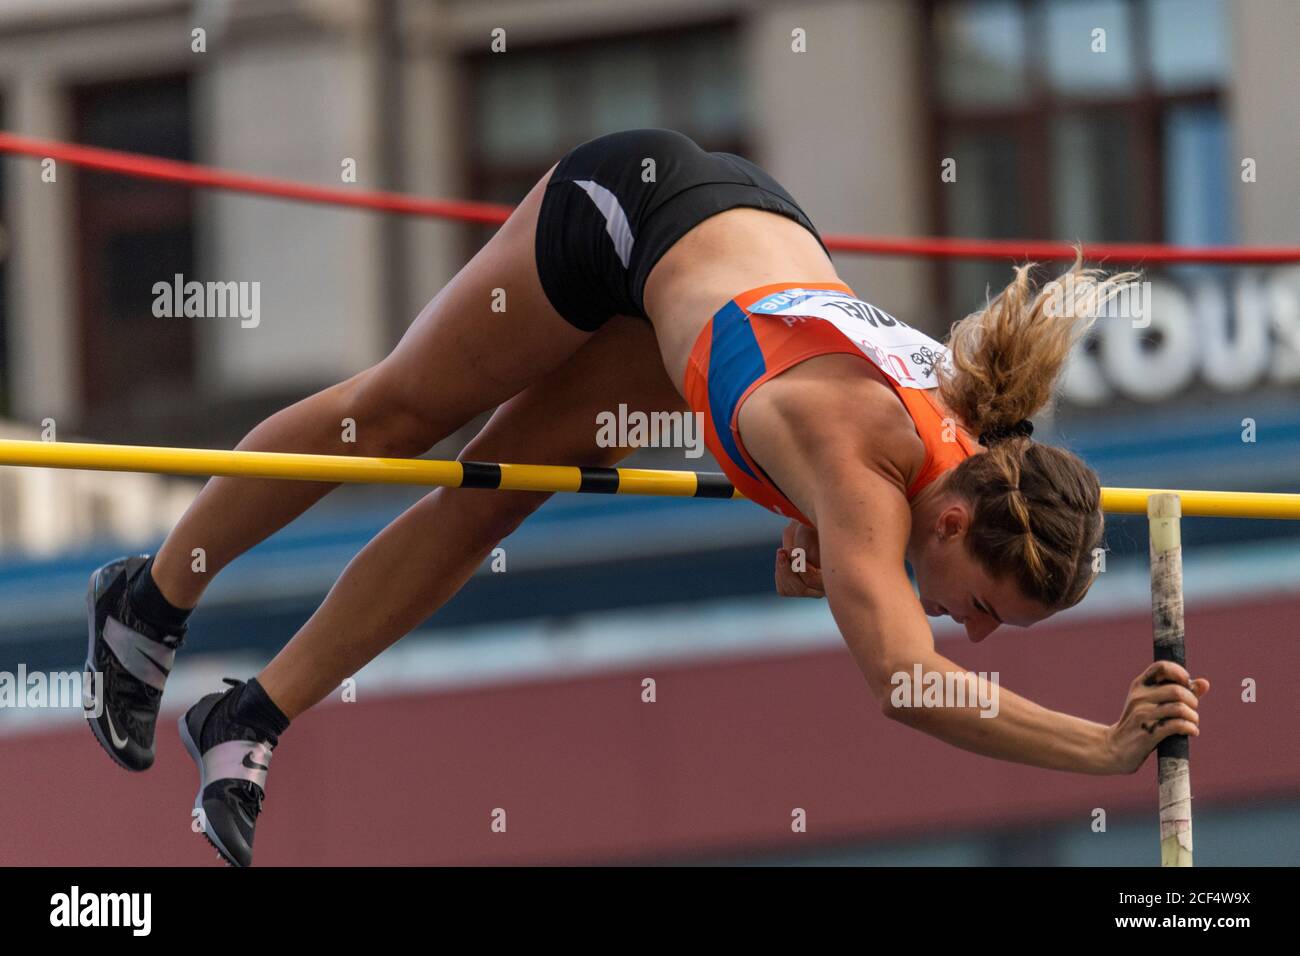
point(1264, 107)
point(842, 126)
point(293, 107)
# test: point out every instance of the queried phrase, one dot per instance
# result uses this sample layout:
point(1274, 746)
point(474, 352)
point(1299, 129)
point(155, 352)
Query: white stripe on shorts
point(616, 224)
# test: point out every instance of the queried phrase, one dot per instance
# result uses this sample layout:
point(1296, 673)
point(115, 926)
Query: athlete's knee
point(488, 517)
point(388, 422)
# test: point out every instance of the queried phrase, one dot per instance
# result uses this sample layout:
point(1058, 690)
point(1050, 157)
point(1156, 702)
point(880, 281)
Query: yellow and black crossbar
point(360, 470)
point(511, 477)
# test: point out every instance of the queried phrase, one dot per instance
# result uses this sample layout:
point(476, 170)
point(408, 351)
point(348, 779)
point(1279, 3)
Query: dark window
point(135, 367)
point(1091, 120)
point(527, 109)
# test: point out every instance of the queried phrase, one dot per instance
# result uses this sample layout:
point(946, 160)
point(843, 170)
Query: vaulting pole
point(1173, 775)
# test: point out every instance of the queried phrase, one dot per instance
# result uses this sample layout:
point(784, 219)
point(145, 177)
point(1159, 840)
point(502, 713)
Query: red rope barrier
point(1029, 249)
point(191, 174)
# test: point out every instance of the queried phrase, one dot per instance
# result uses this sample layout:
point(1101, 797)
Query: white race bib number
point(907, 356)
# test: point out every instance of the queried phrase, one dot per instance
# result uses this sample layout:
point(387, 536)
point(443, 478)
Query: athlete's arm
point(863, 520)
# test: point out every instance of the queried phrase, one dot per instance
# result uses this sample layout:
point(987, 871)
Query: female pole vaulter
point(644, 270)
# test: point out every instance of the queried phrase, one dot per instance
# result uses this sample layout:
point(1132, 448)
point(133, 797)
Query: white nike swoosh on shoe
point(118, 742)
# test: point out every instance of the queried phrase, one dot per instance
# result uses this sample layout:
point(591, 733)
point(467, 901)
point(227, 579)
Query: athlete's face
point(953, 584)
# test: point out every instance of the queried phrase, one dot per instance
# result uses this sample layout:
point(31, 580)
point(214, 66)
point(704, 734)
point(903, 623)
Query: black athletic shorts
point(601, 228)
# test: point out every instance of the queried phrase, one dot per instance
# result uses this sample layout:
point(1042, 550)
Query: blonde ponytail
point(1006, 357)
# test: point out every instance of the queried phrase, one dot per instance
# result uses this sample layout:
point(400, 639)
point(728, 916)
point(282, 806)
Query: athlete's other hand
point(1162, 701)
point(798, 563)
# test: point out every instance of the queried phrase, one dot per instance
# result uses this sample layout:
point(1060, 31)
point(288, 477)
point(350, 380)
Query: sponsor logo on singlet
point(908, 356)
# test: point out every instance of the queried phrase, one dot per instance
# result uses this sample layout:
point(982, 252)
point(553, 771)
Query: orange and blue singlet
point(760, 333)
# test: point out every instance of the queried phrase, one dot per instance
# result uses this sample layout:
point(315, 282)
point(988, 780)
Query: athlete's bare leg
point(460, 357)
point(418, 562)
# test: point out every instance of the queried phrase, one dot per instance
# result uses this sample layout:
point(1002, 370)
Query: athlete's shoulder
point(839, 409)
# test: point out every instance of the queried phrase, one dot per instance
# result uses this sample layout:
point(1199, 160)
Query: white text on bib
point(907, 356)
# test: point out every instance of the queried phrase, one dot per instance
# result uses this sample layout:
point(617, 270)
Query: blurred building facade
point(1162, 127)
point(1089, 119)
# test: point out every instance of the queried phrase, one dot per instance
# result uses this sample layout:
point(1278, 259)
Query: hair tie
point(991, 436)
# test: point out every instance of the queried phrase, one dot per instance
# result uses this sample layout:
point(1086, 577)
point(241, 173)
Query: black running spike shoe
point(133, 660)
point(233, 760)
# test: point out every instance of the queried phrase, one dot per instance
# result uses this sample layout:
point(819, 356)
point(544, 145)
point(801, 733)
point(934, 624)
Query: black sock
point(252, 706)
point(150, 605)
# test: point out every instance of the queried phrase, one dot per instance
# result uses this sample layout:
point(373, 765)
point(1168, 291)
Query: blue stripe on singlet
point(735, 362)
